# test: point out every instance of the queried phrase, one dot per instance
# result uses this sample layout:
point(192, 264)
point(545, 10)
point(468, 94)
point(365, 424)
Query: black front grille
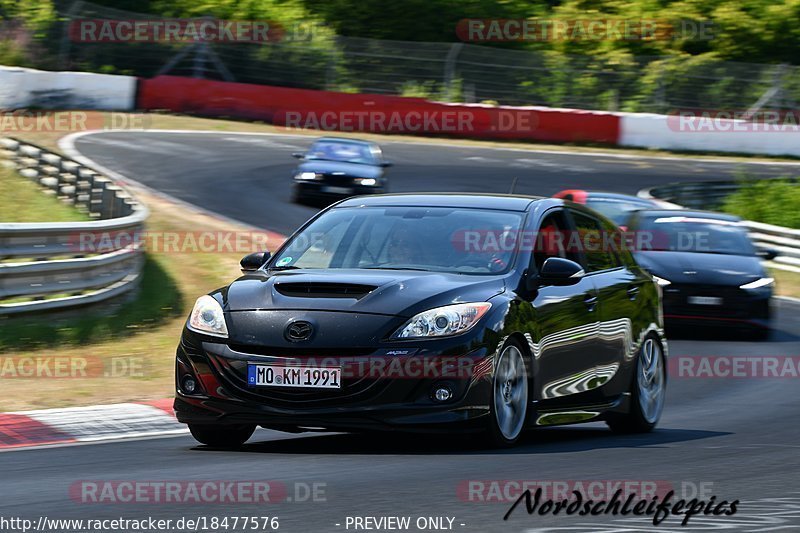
point(338, 180)
point(735, 303)
point(316, 353)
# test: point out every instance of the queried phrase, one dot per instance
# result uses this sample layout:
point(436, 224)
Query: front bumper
point(368, 400)
point(738, 307)
point(321, 190)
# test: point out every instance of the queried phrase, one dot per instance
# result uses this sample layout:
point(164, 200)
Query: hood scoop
point(324, 290)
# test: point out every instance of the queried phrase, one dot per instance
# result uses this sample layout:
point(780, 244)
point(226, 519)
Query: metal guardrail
point(785, 241)
point(698, 195)
point(710, 195)
point(45, 265)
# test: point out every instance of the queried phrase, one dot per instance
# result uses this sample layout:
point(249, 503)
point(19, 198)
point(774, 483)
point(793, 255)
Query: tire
point(647, 392)
point(221, 436)
point(510, 392)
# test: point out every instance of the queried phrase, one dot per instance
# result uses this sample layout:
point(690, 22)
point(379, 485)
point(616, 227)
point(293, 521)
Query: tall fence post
point(661, 90)
point(66, 43)
point(330, 69)
point(450, 70)
point(200, 59)
point(775, 92)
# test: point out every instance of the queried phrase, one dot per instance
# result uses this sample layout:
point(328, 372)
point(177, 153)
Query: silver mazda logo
point(299, 331)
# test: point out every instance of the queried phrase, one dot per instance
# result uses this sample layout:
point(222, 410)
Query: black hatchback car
point(336, 168)
point(709, 270)
point(429, 312)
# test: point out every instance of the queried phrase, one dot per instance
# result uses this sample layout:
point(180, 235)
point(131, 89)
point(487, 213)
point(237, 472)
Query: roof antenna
point(513, 185)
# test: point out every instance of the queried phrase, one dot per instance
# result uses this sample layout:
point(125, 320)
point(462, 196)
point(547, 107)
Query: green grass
point(786, 283)
point(157, 299)
point(145, 327)
point(770, 201)
point(22, 200)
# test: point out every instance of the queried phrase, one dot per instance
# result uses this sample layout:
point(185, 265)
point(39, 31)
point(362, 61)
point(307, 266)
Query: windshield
point(616, 209)
point(436, 239)
point(345, 152)
point(695, 234)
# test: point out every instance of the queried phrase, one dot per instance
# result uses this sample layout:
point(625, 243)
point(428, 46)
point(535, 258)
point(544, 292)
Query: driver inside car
point(404, 247)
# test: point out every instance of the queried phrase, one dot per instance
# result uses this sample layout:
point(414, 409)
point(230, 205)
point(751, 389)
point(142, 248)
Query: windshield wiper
point(286, 267)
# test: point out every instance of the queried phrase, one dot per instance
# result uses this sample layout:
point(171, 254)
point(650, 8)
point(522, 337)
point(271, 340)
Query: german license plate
point(311, 377)
point(705, 300)
point(337, 190)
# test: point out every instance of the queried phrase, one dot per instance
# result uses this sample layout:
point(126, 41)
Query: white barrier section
point(12, 95)
point(20, 87)
point(711, 134)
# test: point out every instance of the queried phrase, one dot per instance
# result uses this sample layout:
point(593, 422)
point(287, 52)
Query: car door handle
point(590, 301)
point(633, 292)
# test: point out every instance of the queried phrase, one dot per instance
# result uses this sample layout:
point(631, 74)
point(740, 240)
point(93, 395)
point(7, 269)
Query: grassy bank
point(22, 200)
point(769, 201)
point(144, 330)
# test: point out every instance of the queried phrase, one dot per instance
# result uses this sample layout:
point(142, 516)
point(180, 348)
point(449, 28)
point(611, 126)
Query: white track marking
point(108, 422)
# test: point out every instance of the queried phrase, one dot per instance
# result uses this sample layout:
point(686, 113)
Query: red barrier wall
point(374, 113)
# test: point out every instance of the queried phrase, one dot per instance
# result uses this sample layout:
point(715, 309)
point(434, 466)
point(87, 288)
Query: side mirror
point(558, 271)
point(387, 164)
point(298, 155)
point(252, 262)
point(767, 253)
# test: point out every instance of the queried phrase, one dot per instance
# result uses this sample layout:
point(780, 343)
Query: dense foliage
point(769, 201)
point(757, 31)
point(745, 31)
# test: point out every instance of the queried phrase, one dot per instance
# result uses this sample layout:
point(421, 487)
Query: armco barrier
point(21, 88)
point(709, 195)
point(298, 107)
point(42, 265)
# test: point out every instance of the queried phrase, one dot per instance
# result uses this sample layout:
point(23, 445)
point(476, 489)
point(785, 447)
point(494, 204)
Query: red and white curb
point(75, 425)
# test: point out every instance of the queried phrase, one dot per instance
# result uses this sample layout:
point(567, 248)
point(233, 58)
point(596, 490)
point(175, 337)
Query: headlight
point(443, 321)
point(661, 281)
point(366, 181)
point(758, 284)
point(306, 176)
point(207, 317)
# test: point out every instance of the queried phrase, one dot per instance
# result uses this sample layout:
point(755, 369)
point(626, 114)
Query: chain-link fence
point(443, 71)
